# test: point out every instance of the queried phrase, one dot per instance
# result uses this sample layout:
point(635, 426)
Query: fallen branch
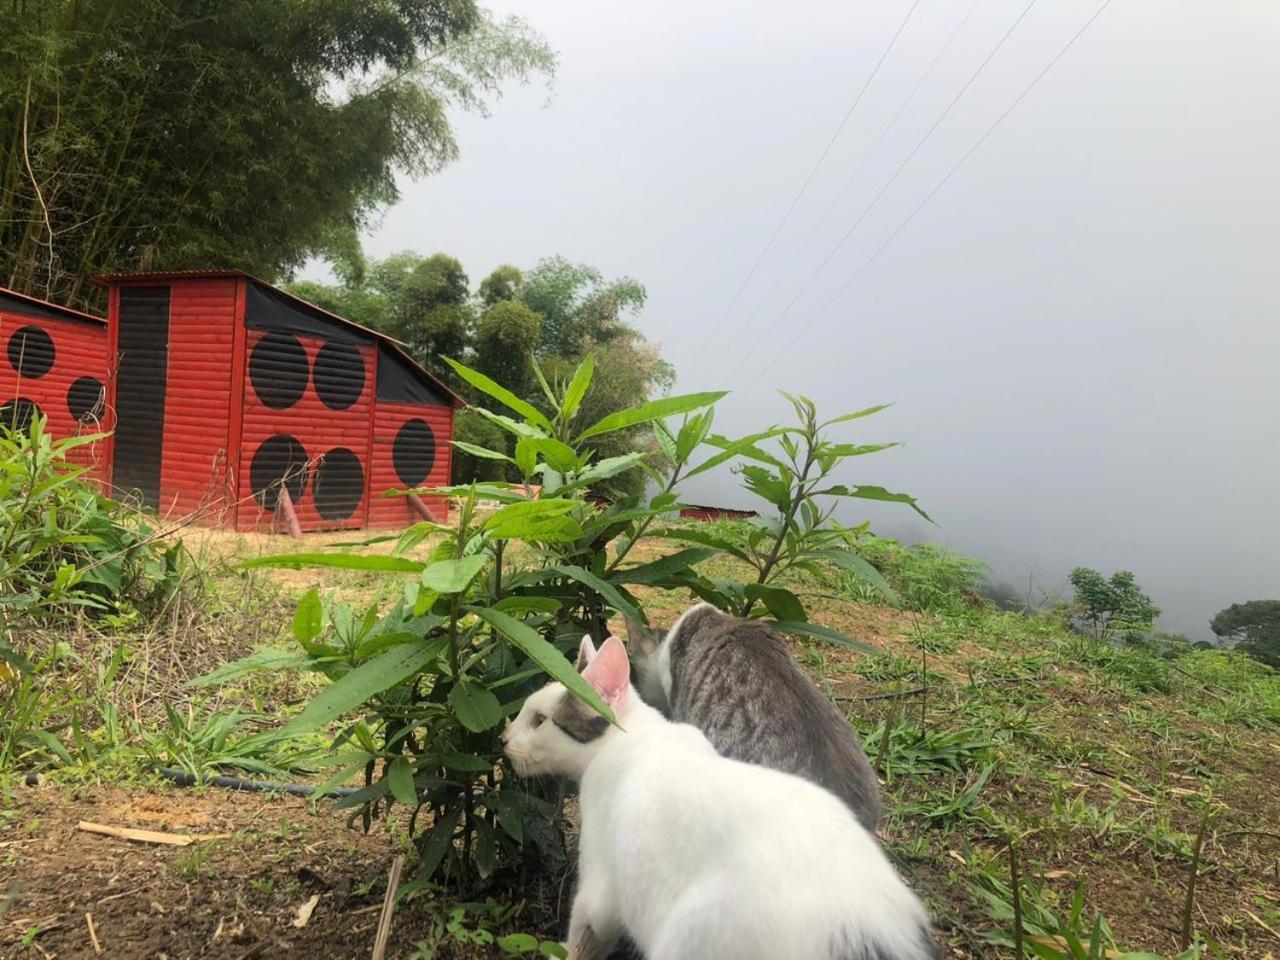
point(388, 909)
point(585, 947)
point(149, 836)
point(93, 934)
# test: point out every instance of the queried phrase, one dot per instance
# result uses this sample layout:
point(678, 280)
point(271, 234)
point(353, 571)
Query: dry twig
point(388, 909)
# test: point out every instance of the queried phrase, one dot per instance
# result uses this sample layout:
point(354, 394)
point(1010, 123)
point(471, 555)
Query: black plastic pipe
point(184, 779)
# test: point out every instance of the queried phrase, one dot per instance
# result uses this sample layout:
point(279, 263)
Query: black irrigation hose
point(184, 779)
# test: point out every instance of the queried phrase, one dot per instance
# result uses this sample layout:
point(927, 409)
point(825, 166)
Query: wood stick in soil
point(388, 909)
point(93, 934)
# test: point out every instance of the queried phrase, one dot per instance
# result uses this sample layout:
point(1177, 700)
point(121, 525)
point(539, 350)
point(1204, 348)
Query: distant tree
point(428, 303)
point(1254, 627)
point(578, 306)
point(148, 135)
point(500, 285)
point(1112, 607)
point(425, 302)
point(506, 337)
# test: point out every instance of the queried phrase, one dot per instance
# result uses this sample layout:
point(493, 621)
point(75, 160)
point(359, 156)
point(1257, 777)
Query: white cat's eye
point(536, 720)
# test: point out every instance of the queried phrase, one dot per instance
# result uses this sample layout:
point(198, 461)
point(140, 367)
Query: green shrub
point(928, 578)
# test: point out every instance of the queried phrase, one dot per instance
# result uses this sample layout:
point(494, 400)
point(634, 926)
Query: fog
point(1078, 330)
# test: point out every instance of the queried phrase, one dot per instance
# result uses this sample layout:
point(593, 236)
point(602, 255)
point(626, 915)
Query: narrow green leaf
point(308, 621)
point(440, 842)
point(856, 415)
point(653, 573)
point(822, 633)
point(535, 520)
point(475, 707)
point(400, 782)
point(526, 457)
point(342, 561)
point(452, 576)
point(666, 442)
point(874, 493)
point(518, 943)
point(500, 393)
point(551, 660)
point(477, 451)
point(663, 407)
point(857, 449)
point(850, 561)
point(612, 595)
point(560, 456)
point(465, 762)
point(352, 689)
point(267, 659)
point(782, 603)
point(706, 539)
point(577, 388)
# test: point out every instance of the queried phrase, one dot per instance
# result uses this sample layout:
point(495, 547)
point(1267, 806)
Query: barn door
point(141, 380)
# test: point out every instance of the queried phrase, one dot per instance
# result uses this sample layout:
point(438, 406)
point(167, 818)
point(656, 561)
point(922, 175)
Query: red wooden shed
point(228, 392)
point(55, 364)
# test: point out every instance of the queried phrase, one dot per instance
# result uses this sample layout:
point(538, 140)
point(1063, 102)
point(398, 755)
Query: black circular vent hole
point(338, 375)
point(86, 398)
point(279, 463)
point(413, 453)
point(31, 352)
point(278, 369)
point(339, 485)
point(17, 415)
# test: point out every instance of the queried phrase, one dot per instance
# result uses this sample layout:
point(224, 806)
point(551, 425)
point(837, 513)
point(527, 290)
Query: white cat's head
point(555, 732)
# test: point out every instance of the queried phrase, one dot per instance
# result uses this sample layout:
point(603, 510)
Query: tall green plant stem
point(775, 552)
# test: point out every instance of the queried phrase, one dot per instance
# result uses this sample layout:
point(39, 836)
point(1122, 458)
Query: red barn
point(246, 406)
point(55, 364)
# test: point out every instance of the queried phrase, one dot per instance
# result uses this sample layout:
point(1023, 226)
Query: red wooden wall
point(319, 449)
point(411, 448)
point(198, 402)
point(56, 367)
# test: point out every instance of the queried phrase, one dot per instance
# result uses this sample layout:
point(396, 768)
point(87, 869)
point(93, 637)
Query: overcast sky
point(1078, 331)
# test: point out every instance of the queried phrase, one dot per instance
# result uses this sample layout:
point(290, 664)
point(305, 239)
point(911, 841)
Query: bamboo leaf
point(452, 576)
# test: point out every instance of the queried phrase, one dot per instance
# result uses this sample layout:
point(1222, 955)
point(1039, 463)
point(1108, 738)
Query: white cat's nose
point(506, 732)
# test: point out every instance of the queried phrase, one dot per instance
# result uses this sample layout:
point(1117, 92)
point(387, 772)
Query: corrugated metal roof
point(47, 307)
point(116, 279)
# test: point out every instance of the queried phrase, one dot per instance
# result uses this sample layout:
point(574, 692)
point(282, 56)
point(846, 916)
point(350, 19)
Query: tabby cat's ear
point(586, 653)
point(642, 638)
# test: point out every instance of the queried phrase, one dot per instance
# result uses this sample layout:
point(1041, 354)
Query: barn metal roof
point(391, 343)
point(35, 307)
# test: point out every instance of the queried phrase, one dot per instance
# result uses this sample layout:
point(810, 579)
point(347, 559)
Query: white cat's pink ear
point(586, 653)
point(609, 672)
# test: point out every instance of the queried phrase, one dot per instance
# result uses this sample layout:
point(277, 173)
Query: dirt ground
point(236, 896)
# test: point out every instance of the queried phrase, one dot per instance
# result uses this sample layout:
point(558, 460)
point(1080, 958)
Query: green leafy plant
point(1254, 627)
point(792, 468)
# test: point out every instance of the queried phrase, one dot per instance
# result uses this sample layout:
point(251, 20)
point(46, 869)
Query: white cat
point(699, 857)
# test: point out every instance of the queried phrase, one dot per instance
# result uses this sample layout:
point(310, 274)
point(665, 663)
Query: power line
point(805, 186)
point(884, 189)
point(941, 183)
point(894, 121)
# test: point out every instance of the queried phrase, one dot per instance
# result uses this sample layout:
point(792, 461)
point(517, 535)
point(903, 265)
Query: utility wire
point(883, 190)
point(804, 186)
point(941, 183)
point(894, 121)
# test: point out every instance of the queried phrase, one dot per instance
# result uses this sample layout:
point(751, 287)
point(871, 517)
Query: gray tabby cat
point(736, 681)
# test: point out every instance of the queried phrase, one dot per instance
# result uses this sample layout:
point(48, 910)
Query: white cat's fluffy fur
point(698, 857)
